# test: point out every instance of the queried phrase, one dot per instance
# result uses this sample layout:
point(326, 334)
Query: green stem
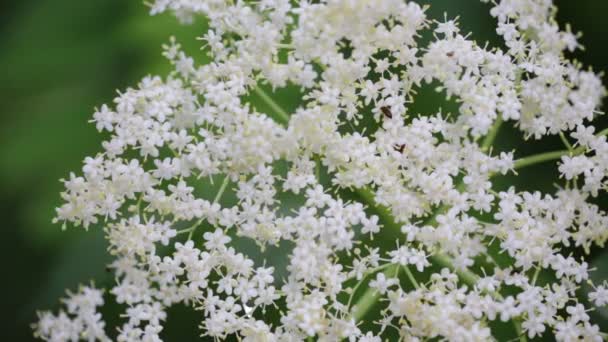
point(352, 294)
point(193, 228)
point(535, 276)
point(217, 198)
point(280, 115)
point(369, 298)
point(539, 158)
point(565, 141)
point(522, 336)
point(489, 139)
point(370, 272)
point(466, 275)
point(547, 156)
point(222, 189)
point(411, 277)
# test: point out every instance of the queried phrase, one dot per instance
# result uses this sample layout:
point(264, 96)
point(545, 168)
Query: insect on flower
point(399, 147)
point(386, 111)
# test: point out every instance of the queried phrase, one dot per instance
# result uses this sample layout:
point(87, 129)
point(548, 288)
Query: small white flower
point(381, 283)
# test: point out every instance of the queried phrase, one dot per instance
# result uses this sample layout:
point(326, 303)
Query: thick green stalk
point(553, 155)
point(539, 158)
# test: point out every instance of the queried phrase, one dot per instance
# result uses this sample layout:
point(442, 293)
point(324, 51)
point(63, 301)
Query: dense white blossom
point(422, 181)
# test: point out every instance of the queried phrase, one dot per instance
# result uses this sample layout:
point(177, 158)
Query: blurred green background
point(61, 58)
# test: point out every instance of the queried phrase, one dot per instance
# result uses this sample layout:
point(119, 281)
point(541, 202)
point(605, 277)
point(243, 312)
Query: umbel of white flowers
point(420, 180)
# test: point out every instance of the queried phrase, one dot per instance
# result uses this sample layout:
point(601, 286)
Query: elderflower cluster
point(371, 212)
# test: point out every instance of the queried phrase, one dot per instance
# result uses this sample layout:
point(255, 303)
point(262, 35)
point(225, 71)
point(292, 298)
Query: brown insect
point(387, 112)
point(399, 148)
point(450, 54)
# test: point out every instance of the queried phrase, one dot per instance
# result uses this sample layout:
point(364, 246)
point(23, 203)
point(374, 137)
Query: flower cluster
point(80, 321)
point(367, 201)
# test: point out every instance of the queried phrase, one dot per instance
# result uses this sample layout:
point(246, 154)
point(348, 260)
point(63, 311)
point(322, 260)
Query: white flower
point(216, 240)
point(81, 320)
point(599, 296)
point(381, 284)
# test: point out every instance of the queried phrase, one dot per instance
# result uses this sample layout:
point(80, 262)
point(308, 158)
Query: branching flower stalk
point(394, 217)
point(553, 155)
point(369, 298)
